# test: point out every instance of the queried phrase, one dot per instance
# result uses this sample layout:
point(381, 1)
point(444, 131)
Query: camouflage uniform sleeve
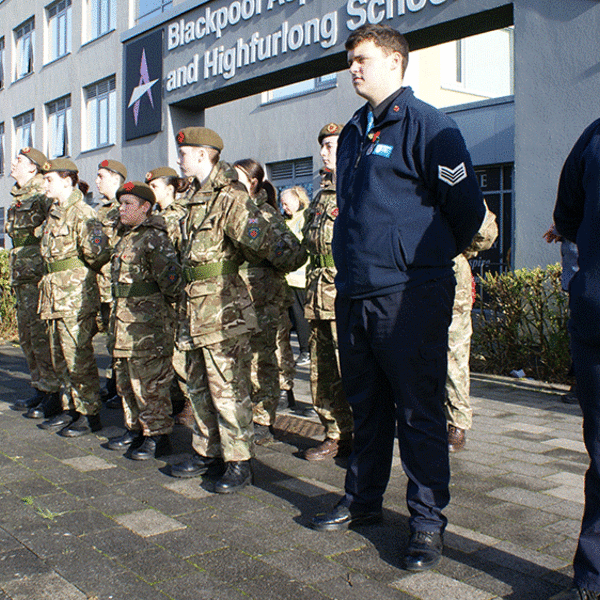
point(271, 240)
point(93, 242)
point(165, 268)
point(485, 237)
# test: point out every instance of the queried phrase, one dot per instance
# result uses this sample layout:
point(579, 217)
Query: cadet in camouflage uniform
point(73, 247)
point(457, 405)
point(111, 175)
point(25, 216)
point(328, 396)
point(222, 229)
point(146, 284)
point(166, 184)
point(271, 298)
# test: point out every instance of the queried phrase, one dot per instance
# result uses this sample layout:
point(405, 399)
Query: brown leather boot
point(329, 448)
point(457, 438)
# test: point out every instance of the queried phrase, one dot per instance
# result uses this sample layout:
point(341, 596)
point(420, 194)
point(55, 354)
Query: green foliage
point(8, 314)
point(523, 325)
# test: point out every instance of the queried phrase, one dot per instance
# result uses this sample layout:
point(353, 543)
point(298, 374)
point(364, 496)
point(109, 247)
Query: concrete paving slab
point(148, 522)
point(433, 586)
point(48, 586)
point(88, 463)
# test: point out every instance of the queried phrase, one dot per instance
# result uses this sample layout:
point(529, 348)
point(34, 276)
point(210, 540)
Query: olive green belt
point(138, 288)
point(321, 260)
point(25, 240)
point(224, 267)
point(262, 264)
point(64, 265)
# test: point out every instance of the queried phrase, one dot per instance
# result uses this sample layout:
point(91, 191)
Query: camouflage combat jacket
point(24, 218)
point(222, 228)
point(146, 283)
point(320, 270)
point(72, 244)
point(483, 240)
point(266, 284)
point(108, 215)
point(173, 216)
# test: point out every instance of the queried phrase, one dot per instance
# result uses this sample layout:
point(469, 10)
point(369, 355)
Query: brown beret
point(60, 164)
point(160, 172)
point(115, 167)
point(35, 156)
point(330, 129)
point(137, 188)
point(199, 136)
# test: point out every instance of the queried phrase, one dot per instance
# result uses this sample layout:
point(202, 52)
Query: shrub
point(522, 324)
point(8, 313)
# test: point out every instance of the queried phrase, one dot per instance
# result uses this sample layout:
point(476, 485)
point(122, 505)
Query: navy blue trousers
point(393, 352)
point(586, 359)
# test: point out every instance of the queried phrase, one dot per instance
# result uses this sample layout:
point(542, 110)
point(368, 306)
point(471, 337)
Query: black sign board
point(143, 86)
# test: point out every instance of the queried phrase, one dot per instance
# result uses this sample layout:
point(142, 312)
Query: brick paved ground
point(78, 521)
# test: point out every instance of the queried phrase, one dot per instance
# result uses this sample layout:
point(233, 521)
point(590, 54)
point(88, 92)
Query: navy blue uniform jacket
point(577, 218)
point(408, 199)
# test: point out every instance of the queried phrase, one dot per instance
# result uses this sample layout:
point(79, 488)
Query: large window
point(24, 130)
point(59, 29)
point(2, 53)
point(59, 127)
point(101, 17)
point(151, 8)
point(101, 113)
point(2, 148)
point(316, 84)
point(24, 48)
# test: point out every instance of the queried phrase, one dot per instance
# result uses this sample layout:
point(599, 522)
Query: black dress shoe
point(48, 408)
point(341, 517)
point(114, 403)
point(35, 400)
point(60, 421)
point(128, 439)
point(152, 447)
point(237, 476)
point(199, 465)
point(82, 426)
point(424, 551)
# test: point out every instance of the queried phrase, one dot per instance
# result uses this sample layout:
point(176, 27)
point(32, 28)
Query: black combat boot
point(35, 400)
point(152, 447)
point(199, 465)
point(130, 439)
point(60, 421)
point(49, 407)
point(237, 476)
point(82, 426)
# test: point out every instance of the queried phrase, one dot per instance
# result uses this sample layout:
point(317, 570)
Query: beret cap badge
point(181, 137)
point(128, 186)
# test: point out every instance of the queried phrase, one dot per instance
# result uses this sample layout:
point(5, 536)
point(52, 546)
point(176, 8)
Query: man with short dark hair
point(408, 203)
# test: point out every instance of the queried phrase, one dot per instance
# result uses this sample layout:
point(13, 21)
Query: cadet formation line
point(186, 272)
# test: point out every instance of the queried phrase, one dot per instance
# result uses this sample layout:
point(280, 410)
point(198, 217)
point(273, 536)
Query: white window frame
point(2, 57)
point(2, 148)
point(24, 125)
point(59, 127)
point(24, 36)
point(302, 88)
point(164, 6)
point(100, 100)
point(101, 18)
point(59, 29)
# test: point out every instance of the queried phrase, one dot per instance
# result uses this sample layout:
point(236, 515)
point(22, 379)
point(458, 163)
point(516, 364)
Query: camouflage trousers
point(264, 368)
point(143, 383)
point(285, 356)
point(33, 338)
point(457, 405)
point(328, 396)
point(218, 379)
point(179, 390)
point(71, 346)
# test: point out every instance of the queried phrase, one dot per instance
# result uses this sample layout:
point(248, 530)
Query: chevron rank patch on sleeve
point(452, 176)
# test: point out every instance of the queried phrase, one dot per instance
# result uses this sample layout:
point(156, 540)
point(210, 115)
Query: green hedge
point(522, 324)
point(8, 315)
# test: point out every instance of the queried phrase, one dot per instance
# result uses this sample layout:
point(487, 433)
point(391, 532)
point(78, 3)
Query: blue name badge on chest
point(381, 150)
